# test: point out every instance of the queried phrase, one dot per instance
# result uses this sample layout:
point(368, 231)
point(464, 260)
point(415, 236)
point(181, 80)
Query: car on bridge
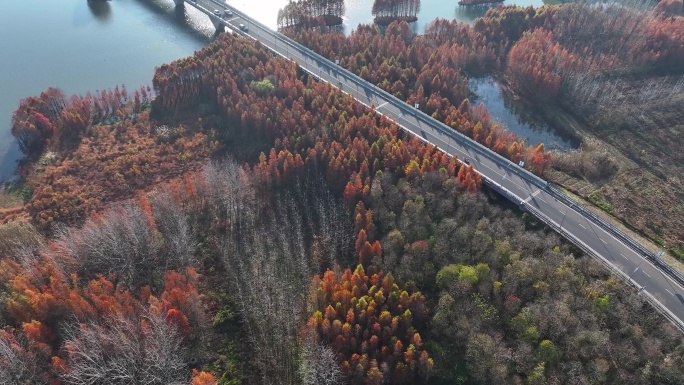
point(243, 27)
point(228, 13)
point(217, 12)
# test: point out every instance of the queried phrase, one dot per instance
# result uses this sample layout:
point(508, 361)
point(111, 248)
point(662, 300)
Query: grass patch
point(14, 195)
point(597, 199)
point(678, 253)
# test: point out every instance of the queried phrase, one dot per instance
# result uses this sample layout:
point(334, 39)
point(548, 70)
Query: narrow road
point(530, 192)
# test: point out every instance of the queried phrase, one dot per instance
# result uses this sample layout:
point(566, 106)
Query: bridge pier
point(218, 23)
point(179, 2)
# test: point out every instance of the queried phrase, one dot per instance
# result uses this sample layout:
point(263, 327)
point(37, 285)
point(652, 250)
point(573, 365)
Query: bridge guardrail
point(617, 272)
point(621, 235)
point(480, 149)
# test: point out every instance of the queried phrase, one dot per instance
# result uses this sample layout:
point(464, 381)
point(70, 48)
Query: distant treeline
point(386, 11)
point(307, 12)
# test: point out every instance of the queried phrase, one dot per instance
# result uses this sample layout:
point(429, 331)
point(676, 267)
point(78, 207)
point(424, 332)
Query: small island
point(387, 11)
point(311, 13)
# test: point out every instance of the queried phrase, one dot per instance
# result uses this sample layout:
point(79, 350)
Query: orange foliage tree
point(427, 70)
point(42, 300)
point(370, 322)
point(202, 378)
point(536, 65)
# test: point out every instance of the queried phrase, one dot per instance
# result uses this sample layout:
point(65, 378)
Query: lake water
point(80, 47)
point(515, 116)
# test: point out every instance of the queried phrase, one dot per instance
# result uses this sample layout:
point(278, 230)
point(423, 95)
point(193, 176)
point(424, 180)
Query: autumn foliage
point(536, 64)
point(55, 120)
point(202, 378)
point(427, 70)
point(42, 300)
point(369, 321)
point(310, 123)
point(98, 149)
point(125, 267)
point(563, 43)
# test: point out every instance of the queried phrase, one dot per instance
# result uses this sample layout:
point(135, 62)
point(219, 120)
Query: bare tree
point(328, 219)
point(172, 223)
point(125, 350)
point(317, 364)
point(18, 365)
point(266, 248)
point(19, 240)
point(123, 241)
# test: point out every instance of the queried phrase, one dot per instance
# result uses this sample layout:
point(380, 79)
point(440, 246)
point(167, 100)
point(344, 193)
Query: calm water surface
point(80, 47)
point(516, 117)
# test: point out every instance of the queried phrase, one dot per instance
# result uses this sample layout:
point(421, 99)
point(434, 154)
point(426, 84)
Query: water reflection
point(9, 158)
point(186, 18)
point(518, 117)
point(101, 10)
point(469, 14)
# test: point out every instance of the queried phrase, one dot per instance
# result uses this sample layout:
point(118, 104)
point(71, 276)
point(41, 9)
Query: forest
point(241, 223)
point(613, 71)
point(429, 71)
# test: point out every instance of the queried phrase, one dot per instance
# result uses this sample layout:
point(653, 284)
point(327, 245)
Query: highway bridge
point(655, 281)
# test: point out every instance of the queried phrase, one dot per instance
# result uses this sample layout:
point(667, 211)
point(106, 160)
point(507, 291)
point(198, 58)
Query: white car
point(228, 13)
point(243, 27)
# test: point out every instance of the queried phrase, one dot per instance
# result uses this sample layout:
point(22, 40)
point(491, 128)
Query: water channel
point(81, 47)
point(515, 115)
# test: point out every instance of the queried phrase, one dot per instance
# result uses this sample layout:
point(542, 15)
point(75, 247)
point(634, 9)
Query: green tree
point(263, 87)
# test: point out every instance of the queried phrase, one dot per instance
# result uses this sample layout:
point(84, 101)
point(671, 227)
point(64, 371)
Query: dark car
point(466, 160)
point(243, 27)
point(217, 12)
